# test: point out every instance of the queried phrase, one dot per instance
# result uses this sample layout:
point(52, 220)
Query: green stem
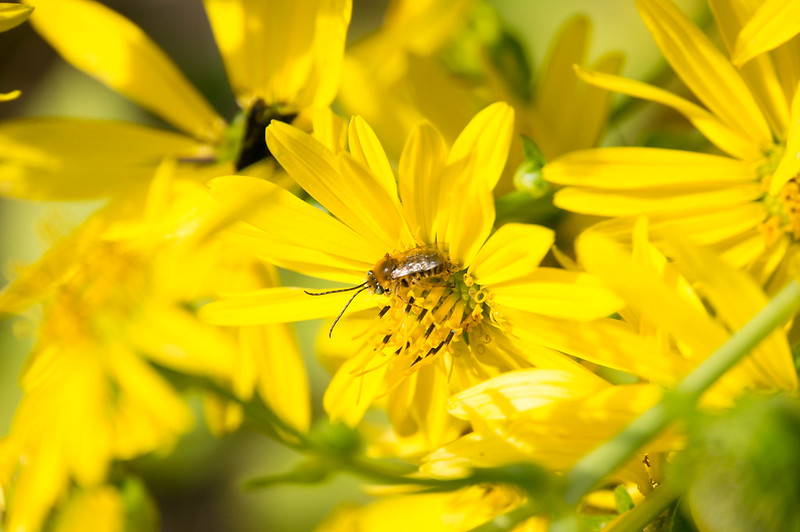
point(646, 511)
point(606, 458)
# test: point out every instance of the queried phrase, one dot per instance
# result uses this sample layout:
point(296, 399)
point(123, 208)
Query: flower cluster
point(524, 326)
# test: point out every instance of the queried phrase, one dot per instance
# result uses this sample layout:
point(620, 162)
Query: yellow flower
point(464, 509)
point(115, 298)
point(445, 326)
point(681, 312)
point(12, 15)
point(744, 203)
point(282, 60)
point(397, 76)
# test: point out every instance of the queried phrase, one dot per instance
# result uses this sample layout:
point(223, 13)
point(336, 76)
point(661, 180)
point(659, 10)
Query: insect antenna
point(362, 286)
point(345, 307)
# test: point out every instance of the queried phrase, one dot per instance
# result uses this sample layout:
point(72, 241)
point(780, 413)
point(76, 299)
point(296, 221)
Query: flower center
point(784, 212)
point(430, 316)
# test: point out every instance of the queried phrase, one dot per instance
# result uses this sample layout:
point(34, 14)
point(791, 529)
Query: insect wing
point(419, 262)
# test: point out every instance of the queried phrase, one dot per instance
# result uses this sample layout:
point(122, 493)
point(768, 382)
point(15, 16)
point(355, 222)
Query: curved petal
point(725, 138)
point(282, 218)
point(736, 299)
point(419, 173)
point(488, 135)
point(367, 150)
point(630, 168)
point(8, 96)
point(513, 251)
point(760, 73)
point(12, 15)
point(109, 47)
point(285, 53)
point(774, 23)
point(659, 202)
point(67, 159)
point(647, 294)
point(466, 211)
point(282, 305)
point(559, 294)
point(356, 199)
point(705, 70)
point(354, 387)
point(789, 165)
point(282, 378)
point(519, 391)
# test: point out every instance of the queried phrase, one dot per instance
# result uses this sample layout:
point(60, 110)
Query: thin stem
point(591, 469)
point(646, 511)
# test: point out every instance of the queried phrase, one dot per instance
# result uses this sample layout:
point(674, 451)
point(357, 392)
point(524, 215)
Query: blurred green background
point(197, 487)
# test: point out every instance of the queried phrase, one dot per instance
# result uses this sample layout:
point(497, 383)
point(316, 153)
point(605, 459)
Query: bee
point(399, 270)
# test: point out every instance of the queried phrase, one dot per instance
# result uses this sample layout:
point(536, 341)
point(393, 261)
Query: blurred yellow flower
point(745, 203)
point(446, 285)
point(403, 74)
point(115, 298)
point(282, 60)
point(460, 510)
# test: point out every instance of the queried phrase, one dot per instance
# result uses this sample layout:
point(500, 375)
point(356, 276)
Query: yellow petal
point(774, 23)
point(466, 211)
point(568, 114)
point(367, 150)
point(704, 228)
point(559, 294)
point(356, 199)
point(513, 251)
point(640, 168)
point(282, 305)
point(488, 134)
point(282, 379)
point(101, 509)
point(789, 165)
point(8, 96)
point(725, 138)
point(356, 384)
point(178, 340)
point(705, 70)
point(760, 73)
point(13, 15)
point(518, 391)
point(67, 159)
point(111, 48)
point(420, 170)
point(655, 201)
point(736, 299)
point(281, 217)
point(285, 53)
point(647, 294)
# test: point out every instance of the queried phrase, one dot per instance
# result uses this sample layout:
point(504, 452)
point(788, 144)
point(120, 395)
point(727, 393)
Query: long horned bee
point(395, 271)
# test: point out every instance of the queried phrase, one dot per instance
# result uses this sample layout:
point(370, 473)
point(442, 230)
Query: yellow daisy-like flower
point(422, 248)
point(681, 312)
point(12, 15)
point(282, 60)
point(464, 509)
point(744, 203)
point(396, 77)
point(115, 298)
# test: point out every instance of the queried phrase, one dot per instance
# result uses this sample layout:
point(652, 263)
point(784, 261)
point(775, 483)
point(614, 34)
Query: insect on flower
point(399, 270)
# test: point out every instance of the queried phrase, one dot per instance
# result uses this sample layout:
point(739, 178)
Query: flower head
point(282, 61)
point(115, 298)
point(744, 203)
point(422, 248)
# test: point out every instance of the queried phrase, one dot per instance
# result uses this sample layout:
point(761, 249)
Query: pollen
point(431, 319)
point(784, 213)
